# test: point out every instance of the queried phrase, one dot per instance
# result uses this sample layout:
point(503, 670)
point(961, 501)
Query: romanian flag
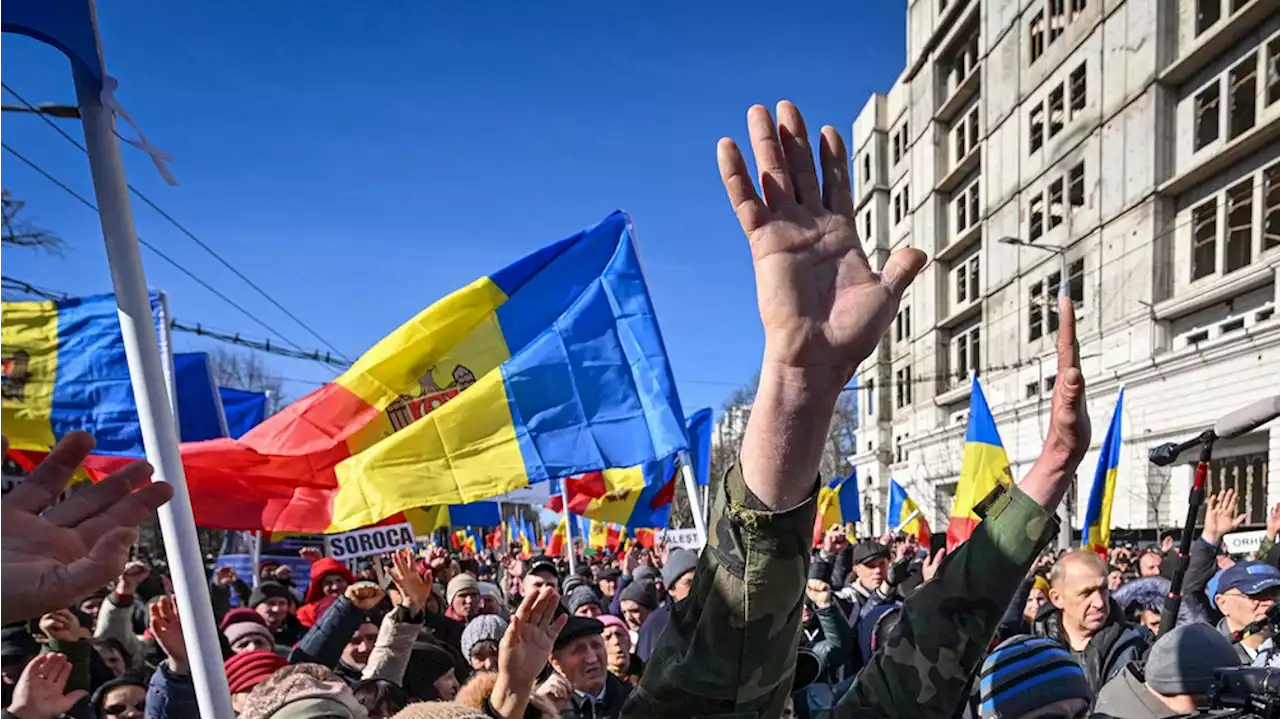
point(426, 520)
point(985, 465)
point(838, 503)
point(559, 538)
point(700, 445)
point(1097, 516)
point(905, 515)
point(633, 497)
point(551, 367)
point(64, 370)
point(645, 538)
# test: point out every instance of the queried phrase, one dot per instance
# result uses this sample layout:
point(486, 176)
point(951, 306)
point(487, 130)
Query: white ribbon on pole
point(691, 491)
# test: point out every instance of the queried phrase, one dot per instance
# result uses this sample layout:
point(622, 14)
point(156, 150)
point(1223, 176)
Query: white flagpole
point(255, 555)
point(691, 491)
point(568, 526)
point(146, 370)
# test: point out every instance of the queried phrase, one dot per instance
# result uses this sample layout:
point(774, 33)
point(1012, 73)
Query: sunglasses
point(117, 709)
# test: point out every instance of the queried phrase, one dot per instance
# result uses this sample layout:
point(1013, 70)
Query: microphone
point(1248, 418)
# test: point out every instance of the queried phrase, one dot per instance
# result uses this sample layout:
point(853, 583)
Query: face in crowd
point(583, 662)
point(617, 646)
point(537, 580)
point(1035, 600)
point(1149, 565)
point(872, 573)
point(467, 604)
point(124, 702)
point(252, 643)
point(1078, 586)
point(682, 587)
point(356, 653)
point(333, 585)
point(608, 587)
point(273, 611)
point(634, 614)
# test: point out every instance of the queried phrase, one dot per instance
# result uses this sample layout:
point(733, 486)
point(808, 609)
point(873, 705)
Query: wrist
point(23, 711)
point(507, 702)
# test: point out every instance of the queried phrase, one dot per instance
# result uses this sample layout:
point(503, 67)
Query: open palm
point(823, 306)
point(55, 558)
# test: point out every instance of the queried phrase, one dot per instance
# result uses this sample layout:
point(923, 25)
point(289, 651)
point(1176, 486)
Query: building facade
point(1127, 148)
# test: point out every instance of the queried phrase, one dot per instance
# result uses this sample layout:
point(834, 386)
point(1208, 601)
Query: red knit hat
point(241, 614)
point(245, 671)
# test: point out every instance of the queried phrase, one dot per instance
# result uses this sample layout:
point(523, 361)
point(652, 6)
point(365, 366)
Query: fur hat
point(484, 628)
point(476, 691)
point(302, 690)
point(439, 710)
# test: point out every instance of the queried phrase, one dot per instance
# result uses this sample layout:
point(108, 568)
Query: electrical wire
point(182, 228)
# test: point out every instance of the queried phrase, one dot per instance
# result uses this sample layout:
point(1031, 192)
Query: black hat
point(864, 552)
point(578, 627)
point(643, 593)
point(808, 667)
point(269, 590)
point(611, 574)
point(17, 643)
point(543, 563)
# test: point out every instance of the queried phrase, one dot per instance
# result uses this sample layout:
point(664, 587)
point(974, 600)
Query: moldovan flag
point(634, 497)
point(838, 503)
point(427, 520)
point(1097, 516)
point(556, 545)
point(550, 367)
point(905, 516)
point(984, 466)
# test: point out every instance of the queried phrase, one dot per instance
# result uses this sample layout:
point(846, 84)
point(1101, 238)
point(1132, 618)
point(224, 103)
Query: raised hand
point(557, 690)
point(819, 592)
point(834, 540)
point(414, 588)
point(134, 574)
point(311, 554)
point(365, 595)
point(1220, 516)
point(64, 626)
point(930, 567)
point(224, 576)
point(167, 631)
point(1273, 522)
point(52, 559)
point(525, 649)
point(38, 693)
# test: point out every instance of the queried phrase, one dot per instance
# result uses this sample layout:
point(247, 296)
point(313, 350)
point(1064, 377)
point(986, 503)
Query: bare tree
point(247, 371)
point(19, 232)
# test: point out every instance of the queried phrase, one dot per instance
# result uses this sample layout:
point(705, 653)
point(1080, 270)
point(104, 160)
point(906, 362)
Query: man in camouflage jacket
point(730, 646)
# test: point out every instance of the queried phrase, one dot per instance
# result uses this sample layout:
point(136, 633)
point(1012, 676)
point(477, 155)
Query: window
point(962, 214)
point(1077, 7)
point(1239, 250)
point(1056, 210)
point(1052, 286)
point(1204, 240)
point(897, 208)
point(902, 325)
point(1035, 311)
point(1271, 208)
point(1078, 90)
point(1075, 187)
point(1207, 13)
point(966, 207)
point(1037, 126)
point(866, 221)
point(906, 201)
point(1075, 282)
point(900, 453)
point(1243, 112)
point(897, 148)
point(1036, 32)
point(1273, 70)
point(1036, 217)
point(1057, 114)
point(903, 387)
point(965, 352)
point(866, 169)
point(1032, 389)
point(1049, 382)
point(972, 124)
point(962, 143)
point(1057, 19)
point(871, 398)
point(1207, 115)
point(966, 279)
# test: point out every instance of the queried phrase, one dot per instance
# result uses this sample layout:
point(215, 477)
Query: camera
point(1248, 691)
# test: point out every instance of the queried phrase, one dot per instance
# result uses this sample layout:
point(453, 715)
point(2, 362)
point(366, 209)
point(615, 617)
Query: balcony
point(959, 172)
point(1248, 143)
point(958, 390)
point(959, 243)
point(1213, 42)
point(961, 95)
point(960, 315)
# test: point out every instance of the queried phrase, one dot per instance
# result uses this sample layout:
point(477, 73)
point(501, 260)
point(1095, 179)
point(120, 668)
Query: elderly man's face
point(584, 662)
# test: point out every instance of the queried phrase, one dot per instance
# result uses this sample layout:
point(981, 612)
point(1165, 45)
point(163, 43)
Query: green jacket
point(729, 649)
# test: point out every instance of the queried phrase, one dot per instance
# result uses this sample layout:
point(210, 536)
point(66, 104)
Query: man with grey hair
point(1082, 617)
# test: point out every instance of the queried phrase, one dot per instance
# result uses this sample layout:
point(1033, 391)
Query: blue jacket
point(171, 695)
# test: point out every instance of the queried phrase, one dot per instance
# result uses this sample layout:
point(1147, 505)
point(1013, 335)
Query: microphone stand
point(1173, 601)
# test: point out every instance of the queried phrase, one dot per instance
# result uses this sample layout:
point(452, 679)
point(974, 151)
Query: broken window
point(1078, 91)
point(1204, 240)
point(1207, 13)
point(1037, 126)
point(1051, 302)
point(1035, 311)
point(966, 347)
point(1057, 211)
point(1273, 70)
point(962, 143)
point(1075, 187)
point(1243, 86)
point(1207, 115)
point(1239, 250)
point(1036, 34)
point(1075, 282)
point(972, 126)
point(1037, 217)
point(1271, 208)
point(1057, 114)
point(1057, 18)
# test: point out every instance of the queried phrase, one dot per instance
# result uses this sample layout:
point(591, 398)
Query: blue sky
point(361, 162)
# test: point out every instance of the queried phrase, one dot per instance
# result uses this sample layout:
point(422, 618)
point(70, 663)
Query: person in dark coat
point(582, 671)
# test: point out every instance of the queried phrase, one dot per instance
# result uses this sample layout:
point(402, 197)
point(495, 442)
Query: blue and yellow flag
point(634, 497)
point(905, 515)
point(985, 465)
point(838, 503)
point(426, 520)
point(700, 445)
point(1096, 534)
point(64, 370)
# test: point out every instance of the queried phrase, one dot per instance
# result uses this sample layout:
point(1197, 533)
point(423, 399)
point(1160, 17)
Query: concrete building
point(1130, 145)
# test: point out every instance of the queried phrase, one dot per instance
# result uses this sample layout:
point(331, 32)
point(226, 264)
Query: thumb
point(69, 700)
point(901, 269)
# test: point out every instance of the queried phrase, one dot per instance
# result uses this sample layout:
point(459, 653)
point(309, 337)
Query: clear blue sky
point(360, 163)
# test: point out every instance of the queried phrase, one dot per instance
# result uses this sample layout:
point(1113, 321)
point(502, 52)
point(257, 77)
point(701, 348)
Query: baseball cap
point(1250, 578)
point(543, 563)
point(864, 552)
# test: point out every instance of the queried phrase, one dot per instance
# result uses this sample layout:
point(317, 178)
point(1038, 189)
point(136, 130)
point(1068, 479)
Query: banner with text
point(367, 542)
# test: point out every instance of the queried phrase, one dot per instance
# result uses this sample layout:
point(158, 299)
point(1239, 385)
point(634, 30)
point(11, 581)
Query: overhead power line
point(183, 229)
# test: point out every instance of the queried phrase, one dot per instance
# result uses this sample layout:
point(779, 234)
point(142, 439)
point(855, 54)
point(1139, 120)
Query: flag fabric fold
point(985, 465)
point(1096, 534)
point(838, 503)
point(905, 515)
point(634, 497)
point(700, 445)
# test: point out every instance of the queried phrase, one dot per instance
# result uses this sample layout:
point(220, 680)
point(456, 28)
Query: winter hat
point(439, 710)
point(577, 627)
point(322, 569)
point(484, 628)
point(1149, 593)
point(1183, 661)
point(240, 630)
point(608, 620)
point(427, 663)
point(1042, 584)
point(680, 561)
point(241, 614)
point(1025, 673)
point(459, 584)
point(302, 691)
point(642, 593)
point(244, 671)
point(570, 583)
point(644, 573)
point(579, 596)
point(270, 590)
point(16, 642)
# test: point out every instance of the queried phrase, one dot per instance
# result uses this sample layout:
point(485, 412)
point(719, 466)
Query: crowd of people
point(760, 623)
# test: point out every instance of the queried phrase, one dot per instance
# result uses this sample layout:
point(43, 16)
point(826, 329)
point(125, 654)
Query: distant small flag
point(556, 545)
point(985, 466)
point(905, 515)
point(1096, 535)
point(838, 503)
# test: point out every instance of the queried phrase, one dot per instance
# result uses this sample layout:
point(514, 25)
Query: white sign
point(687, 538)
point(367, 542)
point(1243, 542)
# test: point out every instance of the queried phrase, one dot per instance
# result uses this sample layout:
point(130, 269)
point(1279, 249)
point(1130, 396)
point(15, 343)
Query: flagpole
point(146, 371)
point(568, 526)
point(255, 554)
point(691, 491)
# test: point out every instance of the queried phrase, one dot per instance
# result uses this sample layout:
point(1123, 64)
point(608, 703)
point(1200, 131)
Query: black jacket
point(616, 692)
point(1109, 651)
point(326, 640)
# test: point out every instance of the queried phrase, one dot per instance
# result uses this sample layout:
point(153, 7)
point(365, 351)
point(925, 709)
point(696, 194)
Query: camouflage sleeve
point(729, 649)
point(928, 662)
point(1268, 543)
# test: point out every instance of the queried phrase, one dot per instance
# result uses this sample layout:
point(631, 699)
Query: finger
point(558, 624)
point(1239, 520)
point(775, 181)
point(794, 138)
point(1068, 347)
point(102, 564)
point(901, 269)
point(59, 672)
point(96, 498)
point(127, 511)
point(837, 194)
point(746, 203)
point(68, 701)
point(51, 476)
